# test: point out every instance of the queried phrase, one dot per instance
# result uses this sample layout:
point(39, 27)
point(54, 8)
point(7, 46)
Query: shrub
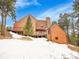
point(74, 40)
point(9, 28)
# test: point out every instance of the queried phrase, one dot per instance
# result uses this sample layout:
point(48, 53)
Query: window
point(56, 38)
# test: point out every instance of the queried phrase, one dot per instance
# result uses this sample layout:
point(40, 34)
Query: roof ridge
point(22, 19)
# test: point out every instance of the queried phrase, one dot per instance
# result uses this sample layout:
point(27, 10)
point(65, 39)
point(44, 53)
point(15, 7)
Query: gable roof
point(23, 21)
point(37, 24)
point(57, 28)
point(41, 24)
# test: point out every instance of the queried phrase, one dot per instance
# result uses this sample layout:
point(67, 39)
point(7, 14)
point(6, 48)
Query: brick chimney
point(48, 22)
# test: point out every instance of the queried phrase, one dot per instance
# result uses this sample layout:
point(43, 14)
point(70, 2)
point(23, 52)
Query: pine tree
point(61, 22)
point(28, 27)
point(76, 10)
point(76, 6)
point(7, 8)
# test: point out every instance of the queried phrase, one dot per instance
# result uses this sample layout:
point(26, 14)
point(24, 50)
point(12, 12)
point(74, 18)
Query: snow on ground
point(14, 35)
point(35, 49)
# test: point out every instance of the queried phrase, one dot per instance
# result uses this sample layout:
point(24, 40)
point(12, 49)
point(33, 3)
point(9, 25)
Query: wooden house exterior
point(42, 28)
point(39, 26)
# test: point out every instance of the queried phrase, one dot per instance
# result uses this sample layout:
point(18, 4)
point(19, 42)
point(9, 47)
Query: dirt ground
point(74, 48)
point(7, 36)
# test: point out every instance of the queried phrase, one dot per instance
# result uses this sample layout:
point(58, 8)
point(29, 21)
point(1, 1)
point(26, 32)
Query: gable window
point(56, 38)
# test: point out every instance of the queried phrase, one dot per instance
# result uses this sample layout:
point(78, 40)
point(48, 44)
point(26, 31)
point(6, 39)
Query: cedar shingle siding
point(58, 35)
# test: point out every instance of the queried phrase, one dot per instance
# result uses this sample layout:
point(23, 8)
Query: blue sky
point(41, 9)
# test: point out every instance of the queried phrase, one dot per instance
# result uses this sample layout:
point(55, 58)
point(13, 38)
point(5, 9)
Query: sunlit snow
point(38, 48)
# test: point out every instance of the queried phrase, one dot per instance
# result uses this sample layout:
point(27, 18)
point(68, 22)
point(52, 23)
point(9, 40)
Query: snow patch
point(18, 49)
point(14, 35)
point(38, 48)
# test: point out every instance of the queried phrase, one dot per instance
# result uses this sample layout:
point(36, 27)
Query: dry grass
point(74, 48)
point(26, 39)
point(66, 58)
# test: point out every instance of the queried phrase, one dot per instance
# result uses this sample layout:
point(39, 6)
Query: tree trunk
point(67, 28)
point(73, 30)
point(3, 27)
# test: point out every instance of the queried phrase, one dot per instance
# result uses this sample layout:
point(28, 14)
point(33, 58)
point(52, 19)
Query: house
point(39, 26)
point(42, 28)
